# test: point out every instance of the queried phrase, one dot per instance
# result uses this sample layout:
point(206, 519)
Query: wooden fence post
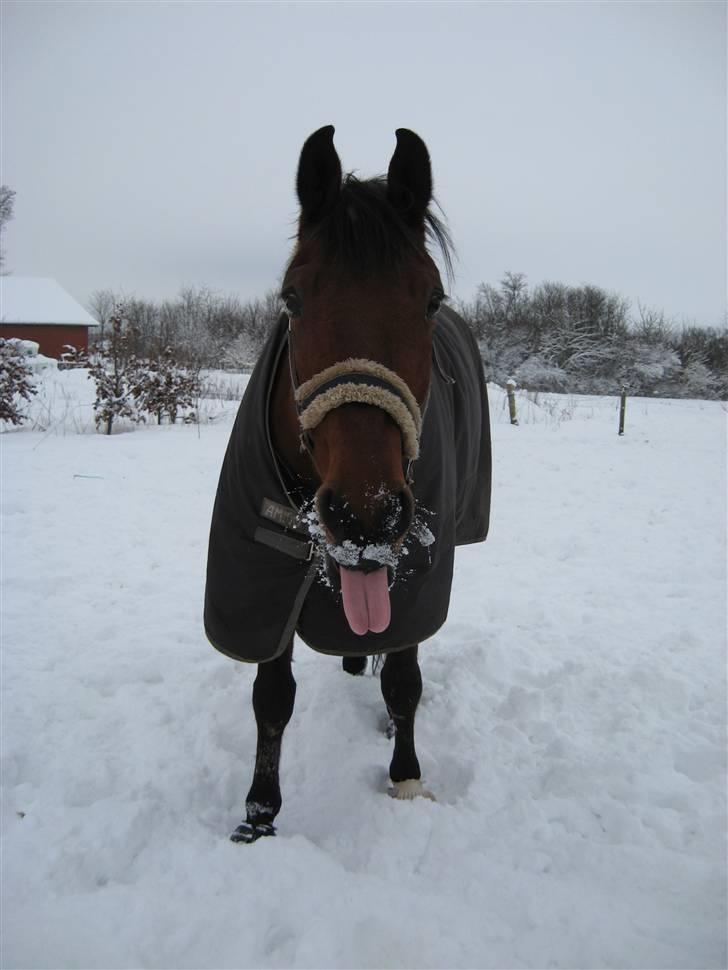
point(511, 389)
point(622, 409)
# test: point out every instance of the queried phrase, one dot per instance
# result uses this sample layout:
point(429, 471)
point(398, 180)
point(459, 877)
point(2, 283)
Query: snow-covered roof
point(30, 299)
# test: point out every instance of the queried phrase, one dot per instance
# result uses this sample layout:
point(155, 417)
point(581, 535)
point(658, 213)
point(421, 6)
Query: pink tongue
point(366, 600)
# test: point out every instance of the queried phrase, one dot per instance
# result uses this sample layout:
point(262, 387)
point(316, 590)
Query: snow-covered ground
point(572, 724)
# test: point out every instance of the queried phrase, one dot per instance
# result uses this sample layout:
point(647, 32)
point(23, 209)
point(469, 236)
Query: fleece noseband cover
point(361, 381)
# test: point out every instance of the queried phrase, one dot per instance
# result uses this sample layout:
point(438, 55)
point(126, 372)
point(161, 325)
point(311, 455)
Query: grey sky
point(155, 144)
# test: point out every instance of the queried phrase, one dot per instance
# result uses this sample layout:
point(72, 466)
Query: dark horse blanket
point(264, 581)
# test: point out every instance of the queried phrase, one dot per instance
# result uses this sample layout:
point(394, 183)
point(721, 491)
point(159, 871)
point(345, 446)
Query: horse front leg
point(402, 688)
point(274, 693)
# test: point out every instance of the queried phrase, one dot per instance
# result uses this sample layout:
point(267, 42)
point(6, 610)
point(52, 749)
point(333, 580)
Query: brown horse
point(359, 459)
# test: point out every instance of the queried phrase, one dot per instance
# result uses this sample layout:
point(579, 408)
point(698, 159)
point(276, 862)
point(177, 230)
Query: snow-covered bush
point(242, 353)
point(699, 381)
point(16, 383)
point(587, 334)
point(72, 358)
point(115, 370)
point(164, 387)
point(537, 374)
point(649, 368)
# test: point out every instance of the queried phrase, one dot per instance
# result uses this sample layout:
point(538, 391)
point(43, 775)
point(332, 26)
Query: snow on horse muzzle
point(362, 562)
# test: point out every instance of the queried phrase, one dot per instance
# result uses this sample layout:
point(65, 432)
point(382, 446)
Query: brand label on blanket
point(281, 515)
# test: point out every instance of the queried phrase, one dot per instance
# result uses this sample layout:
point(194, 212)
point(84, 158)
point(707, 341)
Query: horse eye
point(292, 303)
point(434, 305)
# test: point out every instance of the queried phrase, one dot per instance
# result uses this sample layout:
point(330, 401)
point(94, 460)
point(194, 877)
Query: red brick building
point(39, 309)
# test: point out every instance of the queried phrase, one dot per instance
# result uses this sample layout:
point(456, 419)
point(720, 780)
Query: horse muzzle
point(364, 556)
point(387, 519)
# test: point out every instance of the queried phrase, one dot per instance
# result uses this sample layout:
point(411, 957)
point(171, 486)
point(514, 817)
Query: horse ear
point(409, 179)
point(318, 182)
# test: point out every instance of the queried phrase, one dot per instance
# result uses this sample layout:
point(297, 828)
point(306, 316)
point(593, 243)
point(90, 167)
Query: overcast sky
point(153, 145)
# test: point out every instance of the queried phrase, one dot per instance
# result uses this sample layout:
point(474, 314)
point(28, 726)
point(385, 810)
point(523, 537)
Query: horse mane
point(364, 234)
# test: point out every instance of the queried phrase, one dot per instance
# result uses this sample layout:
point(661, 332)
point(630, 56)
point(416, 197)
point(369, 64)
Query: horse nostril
point(335, 515)
point(399, 513)
point(394, 516)
point(325, 505)
point(407, 514)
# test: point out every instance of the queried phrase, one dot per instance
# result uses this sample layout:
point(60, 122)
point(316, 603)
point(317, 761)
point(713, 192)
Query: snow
point(29, 299)
point(27, 350)
point(572, 726)
point(24, 348)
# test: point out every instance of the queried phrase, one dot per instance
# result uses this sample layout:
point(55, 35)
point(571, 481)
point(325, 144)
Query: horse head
point(361, 292)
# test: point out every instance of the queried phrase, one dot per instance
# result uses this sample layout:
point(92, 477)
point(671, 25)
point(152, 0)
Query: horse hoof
point(409, 789)
point(248, 832)
point(355, 666)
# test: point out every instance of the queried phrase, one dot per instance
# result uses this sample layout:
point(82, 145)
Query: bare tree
point(101, 306)
point(7, 206)
point(514, 289)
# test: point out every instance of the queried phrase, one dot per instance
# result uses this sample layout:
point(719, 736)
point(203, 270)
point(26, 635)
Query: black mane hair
point(364, 234)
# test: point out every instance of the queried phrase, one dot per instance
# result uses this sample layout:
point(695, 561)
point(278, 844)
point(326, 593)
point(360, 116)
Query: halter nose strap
point(358, 381)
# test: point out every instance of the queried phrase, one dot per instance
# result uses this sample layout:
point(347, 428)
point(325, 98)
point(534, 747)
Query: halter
point(357, 381)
